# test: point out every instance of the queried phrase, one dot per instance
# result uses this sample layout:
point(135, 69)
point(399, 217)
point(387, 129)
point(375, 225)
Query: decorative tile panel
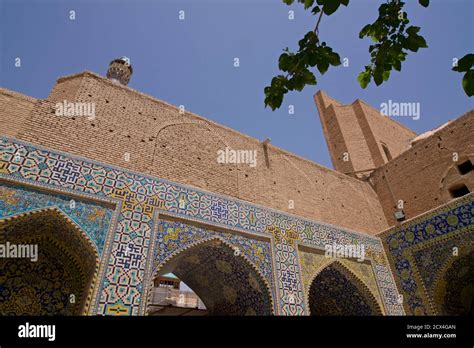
point(141, 197)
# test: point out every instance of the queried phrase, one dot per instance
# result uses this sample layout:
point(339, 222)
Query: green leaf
point(275, 92)
point(468, 83)
point(278, 82)
point(397, 65)
point(309, 39)
point(424, 3)
point(315, 10)
point(365, 31)
point(297, 82)
point(309, 77)
point(274, 101)
point(378, 75)
point(332, 57)
point(308, 4)
point(376, 31)
point(364, 78)
point(414, 42)
point(465, 63)
point(329, 6)
point(323, 66)
point(422, 42)
point(413, 30)
point(288, 2)
point(284, 62)
point(313, 59)
point(383, 9)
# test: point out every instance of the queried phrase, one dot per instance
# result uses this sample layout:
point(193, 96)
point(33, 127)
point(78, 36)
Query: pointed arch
point(453, 289)
point(228, 260)
point(63, 279)
point(354, 283)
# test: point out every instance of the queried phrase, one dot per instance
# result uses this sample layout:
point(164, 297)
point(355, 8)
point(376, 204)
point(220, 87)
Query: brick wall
point(183, 147)
point(359, 130)
point(14, 109)
point(138, 132)
point(422, 176)
point(384, 130)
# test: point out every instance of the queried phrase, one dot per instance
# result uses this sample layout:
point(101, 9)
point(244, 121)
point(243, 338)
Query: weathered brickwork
point(137, 132)
point(142, 202)
point(149, 195)
point(14, 109)
point(419, 175)
point(422, 176)
point(182, 147)
point(359, 130)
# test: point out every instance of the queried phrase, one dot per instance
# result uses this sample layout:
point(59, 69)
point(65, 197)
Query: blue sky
point(190, 62)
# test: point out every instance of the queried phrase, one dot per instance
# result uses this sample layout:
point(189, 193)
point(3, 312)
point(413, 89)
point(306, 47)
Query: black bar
point(290, 331)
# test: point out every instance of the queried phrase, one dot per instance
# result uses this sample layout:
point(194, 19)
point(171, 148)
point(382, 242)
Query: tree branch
point(316, 28)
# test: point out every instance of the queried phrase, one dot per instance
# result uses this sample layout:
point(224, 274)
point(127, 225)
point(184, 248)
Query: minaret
point(120, 70)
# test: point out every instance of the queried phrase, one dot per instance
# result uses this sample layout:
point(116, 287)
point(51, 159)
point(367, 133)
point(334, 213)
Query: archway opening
point(48, 268)
point(335, 291)
point(454, 290)
point(226, 283)
point(172, 296)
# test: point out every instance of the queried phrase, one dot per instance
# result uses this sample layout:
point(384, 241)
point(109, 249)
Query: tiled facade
point(137, 244)
point(421, 250)
point(139, 186)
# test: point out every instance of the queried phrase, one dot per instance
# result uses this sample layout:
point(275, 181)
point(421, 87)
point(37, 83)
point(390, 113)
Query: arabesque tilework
point(67, 261)
point(172, 237)
point(312, 263)
point(141, 198)
point(221, 272)
point(418, 250)
point(95, 219)
point(337, 291)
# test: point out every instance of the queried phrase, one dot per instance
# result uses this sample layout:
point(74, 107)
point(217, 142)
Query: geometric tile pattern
point(141, 197)
point(66, 265)
point(312, 263)
point(454, 293)
point(93, 218)
point(226, 283)
point(440, 252)
point(420, 246)
point(333, 292)
point(172, 237)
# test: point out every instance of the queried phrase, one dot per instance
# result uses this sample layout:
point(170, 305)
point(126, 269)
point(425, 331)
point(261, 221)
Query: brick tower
point(359, 138)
